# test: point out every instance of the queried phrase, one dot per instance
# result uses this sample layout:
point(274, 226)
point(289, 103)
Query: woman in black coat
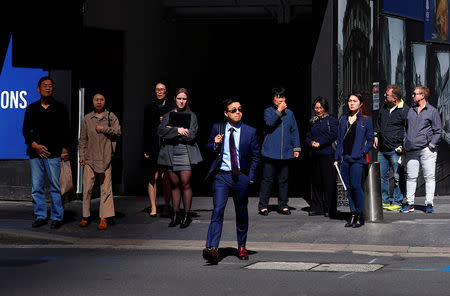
point(179, 151)
point(154, 112)
point(320, 138)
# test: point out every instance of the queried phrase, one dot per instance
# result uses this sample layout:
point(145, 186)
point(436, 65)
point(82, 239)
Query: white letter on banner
point(4, 99)
point(14, 96)
point(24, 102)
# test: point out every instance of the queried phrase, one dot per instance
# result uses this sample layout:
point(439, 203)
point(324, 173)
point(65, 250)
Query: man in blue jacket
point(234, 169)
point(281, 144)
point(389, 135)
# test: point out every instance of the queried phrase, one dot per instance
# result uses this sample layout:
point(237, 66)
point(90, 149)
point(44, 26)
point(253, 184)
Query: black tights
point(185, 177)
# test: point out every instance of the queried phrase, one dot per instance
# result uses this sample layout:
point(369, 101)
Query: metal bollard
point(373, 210)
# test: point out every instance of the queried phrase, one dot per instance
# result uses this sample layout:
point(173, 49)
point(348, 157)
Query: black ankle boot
point(175, 219)
point(352, 220)
point(359, 220)
point(186, 220)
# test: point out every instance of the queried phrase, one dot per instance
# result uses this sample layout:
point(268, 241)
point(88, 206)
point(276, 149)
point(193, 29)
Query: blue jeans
point(387, 161)
point(39, 167)
point(352, 175)
point(222, 186)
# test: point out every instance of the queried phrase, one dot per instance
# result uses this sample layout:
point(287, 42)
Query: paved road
point(158, 272)
point(408, 254)
point(399, 230)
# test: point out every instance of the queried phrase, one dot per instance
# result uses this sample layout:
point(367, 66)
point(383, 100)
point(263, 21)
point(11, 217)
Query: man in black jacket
point(46, 130)
point(389, 135)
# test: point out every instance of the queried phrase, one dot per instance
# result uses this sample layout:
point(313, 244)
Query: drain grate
point(310, 266)
point(295, 266)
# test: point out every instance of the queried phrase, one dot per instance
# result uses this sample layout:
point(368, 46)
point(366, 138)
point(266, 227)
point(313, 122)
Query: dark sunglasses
point(234, 110)
point(416, 94)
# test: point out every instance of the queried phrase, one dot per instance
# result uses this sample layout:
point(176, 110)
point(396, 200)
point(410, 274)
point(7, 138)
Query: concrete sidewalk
point(411, 234)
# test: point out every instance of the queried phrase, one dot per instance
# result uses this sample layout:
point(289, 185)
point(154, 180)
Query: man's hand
point(335, 163)
point(375, 143)
point(315, 144)
point(82, 162)
point(183, 131)
point(218, 139)
point(296, 154)
point(99, 128)
point(65, 154)
point(282, 107)
point(41, 150)
point(146, 155)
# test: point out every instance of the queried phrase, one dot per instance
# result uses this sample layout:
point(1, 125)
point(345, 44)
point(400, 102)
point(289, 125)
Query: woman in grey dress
point(178, 152)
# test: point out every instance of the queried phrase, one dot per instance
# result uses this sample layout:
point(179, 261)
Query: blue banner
point(408, 8)
point(18, 89)
point(436, 20)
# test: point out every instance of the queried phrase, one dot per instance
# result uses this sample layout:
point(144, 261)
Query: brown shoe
point(84, 222)
point(243, 254)
point(211, 255)
point(102, 225)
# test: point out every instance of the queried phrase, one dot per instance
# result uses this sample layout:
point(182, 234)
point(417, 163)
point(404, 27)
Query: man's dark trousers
point(222, 186)
point(270, 169)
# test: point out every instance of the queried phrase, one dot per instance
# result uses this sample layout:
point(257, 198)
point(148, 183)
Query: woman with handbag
point(99, 130)
point(320, 138)
point(179, 151)
point(354, 141)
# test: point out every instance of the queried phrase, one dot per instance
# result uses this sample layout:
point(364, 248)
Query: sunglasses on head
point(234, 110)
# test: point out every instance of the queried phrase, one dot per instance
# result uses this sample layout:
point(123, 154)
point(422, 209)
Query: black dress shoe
point(359, 221)
point(211, 255)
point(263, 213)
point(314, 213)
point(352, 220)
point(186, 220)
point(175, 219)
point(38, 223)
point(55, 224)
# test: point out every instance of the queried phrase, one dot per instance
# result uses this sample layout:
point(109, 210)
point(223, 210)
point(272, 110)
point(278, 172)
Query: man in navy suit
point(234, 169)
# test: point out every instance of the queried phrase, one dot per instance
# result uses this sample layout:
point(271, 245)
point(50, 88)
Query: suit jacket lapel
point(222, 126)
point(242, 140)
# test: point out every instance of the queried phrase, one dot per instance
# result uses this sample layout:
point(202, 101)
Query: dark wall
point(130, 47)
point(15, 179)
point(102, 70)
point(216, 60)
point(46, 34)
point(323, 74)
